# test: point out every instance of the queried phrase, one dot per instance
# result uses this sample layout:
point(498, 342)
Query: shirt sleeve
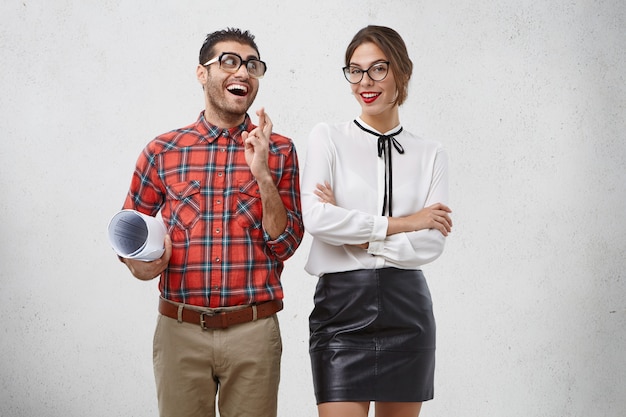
point(413, 249)
point(146, 193)
point(332, 224)
point(285, 245)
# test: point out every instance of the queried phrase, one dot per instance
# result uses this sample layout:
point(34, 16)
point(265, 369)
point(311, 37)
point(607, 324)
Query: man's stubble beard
point(219, 105)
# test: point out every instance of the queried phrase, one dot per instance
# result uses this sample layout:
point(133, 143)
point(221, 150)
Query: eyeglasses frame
point(363, 72)
point(243, 62)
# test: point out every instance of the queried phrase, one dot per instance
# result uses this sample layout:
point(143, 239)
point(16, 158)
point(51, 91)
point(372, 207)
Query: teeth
point(237, 88)
point(369, 95)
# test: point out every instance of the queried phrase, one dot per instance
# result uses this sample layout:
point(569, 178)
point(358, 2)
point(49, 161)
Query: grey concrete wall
point(529, 98)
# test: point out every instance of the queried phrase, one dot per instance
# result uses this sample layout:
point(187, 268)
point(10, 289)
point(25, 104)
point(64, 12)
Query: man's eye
point(229, 61)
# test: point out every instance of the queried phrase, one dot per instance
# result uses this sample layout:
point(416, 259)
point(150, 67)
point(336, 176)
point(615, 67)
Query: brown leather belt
point(219, 319)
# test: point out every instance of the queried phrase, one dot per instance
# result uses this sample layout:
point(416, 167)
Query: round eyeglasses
point(231, 62)
point(376, 72)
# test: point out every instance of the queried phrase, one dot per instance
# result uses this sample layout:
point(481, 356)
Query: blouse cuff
point(378, 236)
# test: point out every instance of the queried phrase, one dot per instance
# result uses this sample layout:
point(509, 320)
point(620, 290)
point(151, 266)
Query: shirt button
point(217, 231)
point(219, 201)
point(217, 259)
point(219, 174)
point(222, 150)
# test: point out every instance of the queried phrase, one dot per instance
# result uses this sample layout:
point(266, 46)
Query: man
point(228, 192)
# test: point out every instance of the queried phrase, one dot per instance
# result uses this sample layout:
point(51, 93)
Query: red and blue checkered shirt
point(210, 202)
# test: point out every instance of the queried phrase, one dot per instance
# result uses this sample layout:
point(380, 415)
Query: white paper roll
point(135, 235)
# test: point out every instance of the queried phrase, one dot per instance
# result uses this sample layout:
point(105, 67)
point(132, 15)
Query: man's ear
point(201, 74)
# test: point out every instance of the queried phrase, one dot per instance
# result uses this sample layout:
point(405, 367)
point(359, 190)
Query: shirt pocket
point(186, 204)
point(249, 209)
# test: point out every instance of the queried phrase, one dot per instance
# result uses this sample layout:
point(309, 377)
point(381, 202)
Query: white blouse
point(347, 157)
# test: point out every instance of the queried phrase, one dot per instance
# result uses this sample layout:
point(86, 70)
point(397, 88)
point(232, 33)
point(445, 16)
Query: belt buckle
point(202, 322)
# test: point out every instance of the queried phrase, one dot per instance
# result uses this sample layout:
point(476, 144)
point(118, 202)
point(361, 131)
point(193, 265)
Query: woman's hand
point(325, 193)
point(436, 216)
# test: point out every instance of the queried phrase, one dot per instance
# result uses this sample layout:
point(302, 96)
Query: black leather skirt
point(372, 337)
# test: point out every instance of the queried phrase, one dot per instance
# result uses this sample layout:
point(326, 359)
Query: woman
point(374, 199)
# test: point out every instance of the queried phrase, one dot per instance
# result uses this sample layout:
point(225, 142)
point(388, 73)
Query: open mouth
point(238, 89)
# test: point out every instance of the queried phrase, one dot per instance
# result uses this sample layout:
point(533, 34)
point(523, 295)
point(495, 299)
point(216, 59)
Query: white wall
point(528, 96)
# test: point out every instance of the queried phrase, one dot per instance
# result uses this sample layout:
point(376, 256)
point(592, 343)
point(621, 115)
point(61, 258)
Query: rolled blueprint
point(135, 235)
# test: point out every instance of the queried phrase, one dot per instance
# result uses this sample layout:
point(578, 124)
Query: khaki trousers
point(239, 365)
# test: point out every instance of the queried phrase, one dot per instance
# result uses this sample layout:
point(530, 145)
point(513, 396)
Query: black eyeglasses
point(376, 72)
point(231, 62)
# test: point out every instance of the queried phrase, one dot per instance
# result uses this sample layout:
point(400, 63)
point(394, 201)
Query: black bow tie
point(384, 151)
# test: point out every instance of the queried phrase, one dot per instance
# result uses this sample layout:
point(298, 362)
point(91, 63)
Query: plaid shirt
point(210, 202)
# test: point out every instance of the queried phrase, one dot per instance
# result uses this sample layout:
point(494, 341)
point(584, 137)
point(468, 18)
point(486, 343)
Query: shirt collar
point(375, 130)
point(210, 132)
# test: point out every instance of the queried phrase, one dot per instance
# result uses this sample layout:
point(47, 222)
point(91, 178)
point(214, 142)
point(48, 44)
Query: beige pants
point(240, 365)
